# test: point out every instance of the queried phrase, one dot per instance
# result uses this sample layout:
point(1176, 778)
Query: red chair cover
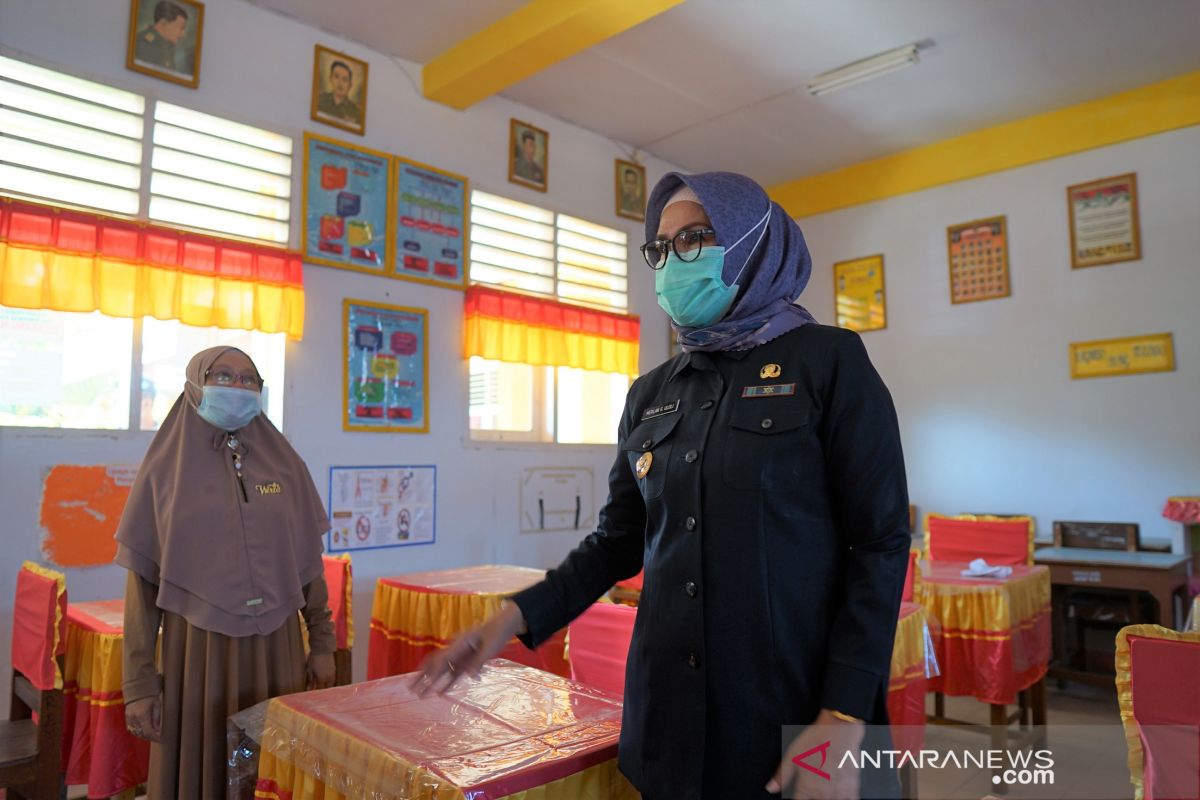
point(598, 645)
point(39, 625)
point(633, 583)
point(1166, 705)
point(910, 577)
point(1001, 541)
point(338, 576)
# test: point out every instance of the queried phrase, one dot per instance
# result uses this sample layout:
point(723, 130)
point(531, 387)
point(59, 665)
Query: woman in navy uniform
point(760, 482)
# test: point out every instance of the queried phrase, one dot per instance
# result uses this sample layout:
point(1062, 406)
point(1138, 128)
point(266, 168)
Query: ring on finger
point(450, 666)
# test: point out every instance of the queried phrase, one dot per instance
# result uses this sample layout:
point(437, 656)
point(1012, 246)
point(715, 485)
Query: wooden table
point(517, 732)
point(97, 748)
point(1161, 575)
point(414, 614)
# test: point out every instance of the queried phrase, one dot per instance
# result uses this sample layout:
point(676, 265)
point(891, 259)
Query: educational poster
point(557, 499)
point(431, 224)
point(345, 215)
point(859, 294)
point(385, 368)
point(978, 253)
point(373, 507)
point(1153, 352)
point(1104, 221)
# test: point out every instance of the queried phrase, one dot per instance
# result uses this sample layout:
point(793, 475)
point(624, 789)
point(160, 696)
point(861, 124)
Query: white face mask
point(229, 408)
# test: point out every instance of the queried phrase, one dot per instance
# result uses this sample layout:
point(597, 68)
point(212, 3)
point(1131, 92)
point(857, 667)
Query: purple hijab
point(778, 266)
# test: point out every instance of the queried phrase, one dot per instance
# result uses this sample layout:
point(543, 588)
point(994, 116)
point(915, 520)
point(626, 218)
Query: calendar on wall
point(978, 254)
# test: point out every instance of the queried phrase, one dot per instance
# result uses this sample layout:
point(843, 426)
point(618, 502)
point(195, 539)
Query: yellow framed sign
point(859, 294)
point(385, 368)
point(1154, 352)
point(1104, 221)
point(347, 206)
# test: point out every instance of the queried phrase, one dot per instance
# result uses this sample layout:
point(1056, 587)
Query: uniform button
point(691, 456)
point(693, 660)
point(707, 404)
point(690, 523)
point(646, 444)
point(766, 423)
point(691, 589)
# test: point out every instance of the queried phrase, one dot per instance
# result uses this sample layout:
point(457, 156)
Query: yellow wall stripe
point(527, 41)
point(1145, 111)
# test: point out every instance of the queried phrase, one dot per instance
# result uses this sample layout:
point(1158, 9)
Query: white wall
point(991, 420)
point(257, 68)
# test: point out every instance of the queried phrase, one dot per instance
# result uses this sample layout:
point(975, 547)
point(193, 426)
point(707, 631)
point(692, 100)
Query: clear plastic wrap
point(515, 729)
point(244, 735)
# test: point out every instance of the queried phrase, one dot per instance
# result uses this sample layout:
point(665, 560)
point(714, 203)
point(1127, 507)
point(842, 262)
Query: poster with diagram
point(978, 254)
point(374, 507)
point(385, 368)
point(345, 215)
point(430, 225)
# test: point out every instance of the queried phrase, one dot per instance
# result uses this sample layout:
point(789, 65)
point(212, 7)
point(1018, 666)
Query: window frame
point(152, 95)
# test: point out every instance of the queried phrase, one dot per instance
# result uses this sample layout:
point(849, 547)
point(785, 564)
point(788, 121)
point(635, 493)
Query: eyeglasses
point(226, 378)
point(686, 244)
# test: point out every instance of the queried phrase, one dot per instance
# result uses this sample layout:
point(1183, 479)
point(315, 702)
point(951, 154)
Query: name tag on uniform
point(771, 390)
point(658, 411)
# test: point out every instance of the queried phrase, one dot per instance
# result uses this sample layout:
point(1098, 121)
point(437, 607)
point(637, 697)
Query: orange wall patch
point(81, 507)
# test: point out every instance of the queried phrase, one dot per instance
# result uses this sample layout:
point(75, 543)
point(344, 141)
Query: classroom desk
point(97, 748)
point(517, 732)
point(415, 614)
point(1161, 575)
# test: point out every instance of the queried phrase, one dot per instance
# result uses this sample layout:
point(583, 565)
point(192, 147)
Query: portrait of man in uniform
point(529, 149)
point(339, 91)
point(164, 39)
point(631, 190)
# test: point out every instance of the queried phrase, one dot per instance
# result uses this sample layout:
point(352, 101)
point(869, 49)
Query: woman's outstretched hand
point(469, 652)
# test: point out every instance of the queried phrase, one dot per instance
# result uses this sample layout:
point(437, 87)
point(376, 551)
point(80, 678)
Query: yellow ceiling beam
point(1145, 111)
point(527, 41)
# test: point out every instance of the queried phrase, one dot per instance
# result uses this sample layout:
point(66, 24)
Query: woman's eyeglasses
point(222, 377)
point(686, 244)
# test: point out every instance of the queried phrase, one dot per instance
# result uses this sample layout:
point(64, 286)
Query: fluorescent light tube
point(863, 70)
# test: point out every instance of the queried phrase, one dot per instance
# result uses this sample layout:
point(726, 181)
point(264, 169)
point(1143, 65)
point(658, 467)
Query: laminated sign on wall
point(557, 499)
point(372, 507)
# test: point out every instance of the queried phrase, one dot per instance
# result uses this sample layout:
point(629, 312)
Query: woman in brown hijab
point(222, 539)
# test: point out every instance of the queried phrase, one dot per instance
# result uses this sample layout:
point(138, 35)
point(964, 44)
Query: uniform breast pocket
point(767, 441)
point(648, 450)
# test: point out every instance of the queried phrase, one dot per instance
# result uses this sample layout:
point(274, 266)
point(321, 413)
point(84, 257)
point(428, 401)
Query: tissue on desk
point(980, 568)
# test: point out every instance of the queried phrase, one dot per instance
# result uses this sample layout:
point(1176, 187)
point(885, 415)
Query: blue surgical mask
point(228, 408)
point(693, 293)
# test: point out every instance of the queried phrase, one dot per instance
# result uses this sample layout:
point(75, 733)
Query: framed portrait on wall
point(339, 90)
point(859, 294)
point(978, 256)
point(165, 38)
point(631, 190)
point(528, 155)
point(385, 368)
point(1104, 221)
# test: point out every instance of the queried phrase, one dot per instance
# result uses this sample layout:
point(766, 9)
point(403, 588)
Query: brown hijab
point(225, 561)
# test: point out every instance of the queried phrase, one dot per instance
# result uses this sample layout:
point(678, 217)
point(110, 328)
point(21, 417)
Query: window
point(68, 140)
point(67, 370)
point(520, 247)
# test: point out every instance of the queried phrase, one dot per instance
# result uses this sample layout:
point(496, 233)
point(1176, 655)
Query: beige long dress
point(204, 677)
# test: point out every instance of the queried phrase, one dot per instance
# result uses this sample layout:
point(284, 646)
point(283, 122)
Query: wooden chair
point(598, 646)
point(1159, 709)
point(339, 579)
point(31, 751)
point(1002, 541)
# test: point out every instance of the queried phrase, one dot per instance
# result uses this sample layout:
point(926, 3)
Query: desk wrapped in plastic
point(518, 732)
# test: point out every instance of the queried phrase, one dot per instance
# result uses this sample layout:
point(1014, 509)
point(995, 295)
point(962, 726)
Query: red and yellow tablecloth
point(97, 748)
point(518, 733)
point(913, 661)
point(994, 632)
point(415, 614)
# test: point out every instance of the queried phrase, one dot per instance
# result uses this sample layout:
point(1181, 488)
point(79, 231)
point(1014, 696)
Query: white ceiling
point(718, 84)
